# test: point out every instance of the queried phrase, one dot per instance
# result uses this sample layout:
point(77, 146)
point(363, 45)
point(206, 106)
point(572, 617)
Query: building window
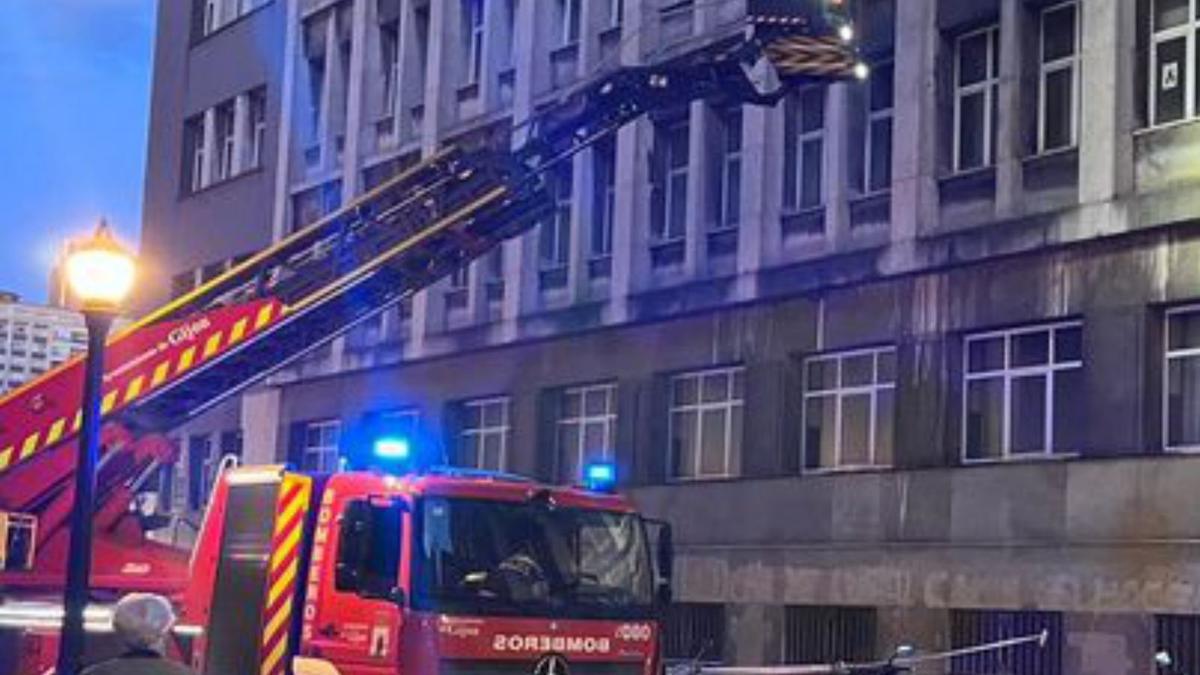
point(555, 239)
point(316, 35)
point(571, 15)
point(319, 446)
point(226, 140)
point(212, 17)
point(849, 409)
point(587, 420)
point(315, 203)
point(730, 193)
point(195, 150)
point(1058, 81)
point(616, 13)
point(473, 30)
point(805, 150)
point(970, 628)
point(389, 60)
point(1024, 392)
point(1174, 58)
point(829, 634)
point(458, 291)
point(976, 84)
point(694, 631)
point(605, 195)
point(880, 103)
point(485, 434)
point(1179, 636)
point(669, 192)
point(257, 128)
point(1182, 379)
point(706, 422)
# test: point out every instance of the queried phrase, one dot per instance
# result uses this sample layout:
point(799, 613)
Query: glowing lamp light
point(862, 71)
point(392, 448)
point(846, 33)
point(100, 271)
point(600, 477)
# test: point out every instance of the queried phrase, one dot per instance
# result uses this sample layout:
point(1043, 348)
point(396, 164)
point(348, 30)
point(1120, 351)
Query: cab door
point(360, 608)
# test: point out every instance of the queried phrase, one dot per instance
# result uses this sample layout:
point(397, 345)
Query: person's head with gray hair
point(143, 620)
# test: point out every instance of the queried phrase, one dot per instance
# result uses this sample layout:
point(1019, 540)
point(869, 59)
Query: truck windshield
point(490, 557)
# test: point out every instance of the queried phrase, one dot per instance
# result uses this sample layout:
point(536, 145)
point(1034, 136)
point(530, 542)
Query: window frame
point(801, 138)
point(729, 406)
point(256, 105)
point(482, 432)
point(1049, 68)
point(1008, 373)
point(729, 213)
point(1188, 30)
point(476, 24)
point(321, 451)
point(662, 233)
point(583, 420)
point(571, 29)
point(873, 116)
point(1168, 356)
point(604, 171)
point(839, 393)
point(557, 228)
point(987, 86)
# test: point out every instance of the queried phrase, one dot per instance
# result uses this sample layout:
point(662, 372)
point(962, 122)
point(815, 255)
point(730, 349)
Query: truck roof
point(475, 484)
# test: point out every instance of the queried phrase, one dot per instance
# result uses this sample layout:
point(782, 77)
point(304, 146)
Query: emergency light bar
point(600, 477)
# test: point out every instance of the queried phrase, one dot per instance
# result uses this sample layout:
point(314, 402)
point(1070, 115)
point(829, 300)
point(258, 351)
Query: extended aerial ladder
point(319, 282)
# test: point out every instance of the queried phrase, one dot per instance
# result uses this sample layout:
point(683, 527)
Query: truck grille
point(526, 668)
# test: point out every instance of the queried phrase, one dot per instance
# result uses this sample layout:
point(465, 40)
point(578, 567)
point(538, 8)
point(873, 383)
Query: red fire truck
point(581, 588)
point(445, 571)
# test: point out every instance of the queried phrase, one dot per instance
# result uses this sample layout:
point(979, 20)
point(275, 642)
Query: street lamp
point(100, 274)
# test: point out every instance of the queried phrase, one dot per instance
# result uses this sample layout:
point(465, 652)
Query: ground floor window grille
point(973, 627)
point(694, 631)
point(1179, 636)
point(829, 634)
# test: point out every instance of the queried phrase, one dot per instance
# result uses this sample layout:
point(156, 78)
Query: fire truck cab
point(448, 571)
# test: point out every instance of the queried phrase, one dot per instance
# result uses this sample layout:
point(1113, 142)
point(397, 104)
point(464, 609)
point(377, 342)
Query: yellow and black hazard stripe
point(257, 318)
point(283, 574)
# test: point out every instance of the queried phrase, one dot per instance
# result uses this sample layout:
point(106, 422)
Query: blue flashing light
point(392, 448)
point(600, 477)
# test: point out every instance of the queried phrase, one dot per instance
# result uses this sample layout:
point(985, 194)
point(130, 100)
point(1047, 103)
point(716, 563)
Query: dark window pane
point(1170, 80)
point(713, 443)
point(1184, 331)
point(985, 419)
point(1028, 414)
point(1068, 345)
point(887, 367)
point(819, 428)
point(973, 59)
point(1168, 13)
point(985, 355)
point(858, 370)
point(885, 426)
point(1069, 421)
point(685, 390)
point(1059, 112)
point(972, 111)
point(881, 154)
point(856, 430)
point(1031, 349)
point(1058, 33)
point(1183, 402)
point(812, 109)
point(822, 375)
point(715, 389)
point(810, 180)
point(881, 85)
point(684, 443)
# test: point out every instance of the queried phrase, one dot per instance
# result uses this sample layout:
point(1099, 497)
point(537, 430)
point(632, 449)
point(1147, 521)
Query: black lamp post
point(100, 273)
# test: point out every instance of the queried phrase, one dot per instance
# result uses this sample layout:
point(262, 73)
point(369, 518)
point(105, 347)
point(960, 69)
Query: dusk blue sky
point(75, 76)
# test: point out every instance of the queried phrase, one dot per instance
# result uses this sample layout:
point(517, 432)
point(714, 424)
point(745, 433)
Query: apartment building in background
point(35, 339)
point(914, 360)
